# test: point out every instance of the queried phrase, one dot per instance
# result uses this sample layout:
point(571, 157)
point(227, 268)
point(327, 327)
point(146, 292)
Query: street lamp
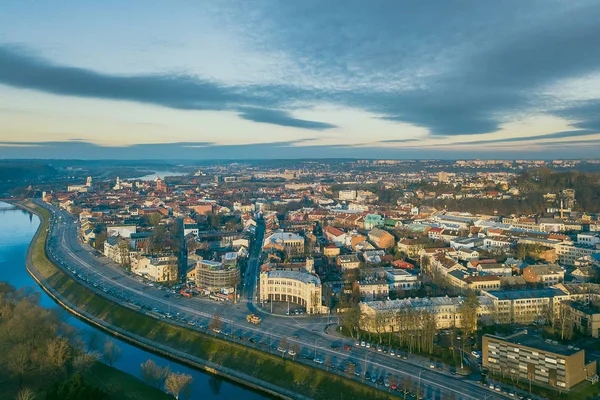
point(316, 340)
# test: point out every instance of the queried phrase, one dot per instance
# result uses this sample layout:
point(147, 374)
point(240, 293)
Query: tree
point(283, 345)
point(75, 388)
point(216, 323)
point(177, 383)
point(350, 318)
point(155, 218)
point(58, 353)
point(153, 374)
point(565, 322)
point(468, 313)
point(295, 347)
point(82, 362)
point(19, 360)
point(25, 394)
point(111, 352)
point(124, 253)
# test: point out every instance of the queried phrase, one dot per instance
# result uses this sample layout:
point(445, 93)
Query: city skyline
point(235, 80)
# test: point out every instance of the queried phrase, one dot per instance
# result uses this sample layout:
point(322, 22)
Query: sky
point(300, 79)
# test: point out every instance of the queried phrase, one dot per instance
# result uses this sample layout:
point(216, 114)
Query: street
point(309, 333)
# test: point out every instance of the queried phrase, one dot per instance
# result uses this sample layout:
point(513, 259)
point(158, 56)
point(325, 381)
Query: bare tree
point(283, 345)
point(25, 394)
point(468, 313)
point(58, 353)
point(177, 383)
point(19, 360)
point(153, 374)
point(564, 320)
point(216, 323)
point(82, 362)
point(111, 352)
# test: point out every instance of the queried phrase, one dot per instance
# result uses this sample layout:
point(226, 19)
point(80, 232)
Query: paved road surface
point(309, 333)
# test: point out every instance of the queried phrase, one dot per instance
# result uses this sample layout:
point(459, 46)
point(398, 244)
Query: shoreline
point(169, 353)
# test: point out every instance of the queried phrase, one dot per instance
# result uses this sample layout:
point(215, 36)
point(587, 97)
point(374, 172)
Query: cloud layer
point(459, 70)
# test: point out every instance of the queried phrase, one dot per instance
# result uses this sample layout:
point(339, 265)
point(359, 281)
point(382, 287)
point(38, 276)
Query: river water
point(157, 174)
point(17, 227)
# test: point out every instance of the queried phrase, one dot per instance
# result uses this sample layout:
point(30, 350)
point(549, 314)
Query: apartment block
point(530, 358)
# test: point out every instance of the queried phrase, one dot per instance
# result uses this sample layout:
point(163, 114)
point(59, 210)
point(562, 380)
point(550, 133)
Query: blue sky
point(285, 79)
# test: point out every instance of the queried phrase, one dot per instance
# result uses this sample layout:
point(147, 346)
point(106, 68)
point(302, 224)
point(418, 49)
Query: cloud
point(293, 149)
point(282, 118)
point(174, 91)
point(537, 139)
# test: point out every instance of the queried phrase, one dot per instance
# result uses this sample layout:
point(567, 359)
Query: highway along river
point(17, 227)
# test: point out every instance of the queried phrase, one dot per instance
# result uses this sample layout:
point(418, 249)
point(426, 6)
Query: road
point(108, 279)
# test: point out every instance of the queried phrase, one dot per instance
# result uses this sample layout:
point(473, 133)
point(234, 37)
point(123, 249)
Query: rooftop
point(304, 277)
point(526, 294)
point(524, 339)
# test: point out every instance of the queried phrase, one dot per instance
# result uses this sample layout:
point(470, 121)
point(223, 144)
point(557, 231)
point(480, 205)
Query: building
point(156, 268)
point(373, 221)
point(296, 287)
point(331, 251)
point(399, 279)
point(444, 309)
point(585, 316)
point(544, 274)
point(347, 195)
point(121, 230)
point(215, 275)
point(117, 249)
point(291, 243)
point(381, 239)
point(347, 262)
point(569, 253)
point(374, 289)
point(525, 306)
point(529, 358)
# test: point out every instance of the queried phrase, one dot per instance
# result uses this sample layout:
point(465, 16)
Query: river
point(157, 174)
point(17, 229)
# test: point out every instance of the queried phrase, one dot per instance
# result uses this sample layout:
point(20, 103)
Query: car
point(368, 375)
point(281, 350)
point(439, 366)
point(290, 352)
point(357, 344)
point(368, 345)
point(357, 372)
point(431, 364)
point(380, 381)
point(385, 350)
point(387, 382)
point(392, 352)
point(394, 387)
point(342, 367)
point(318, 360)
point(405, 355)
point(379, 348)
point(374, 378)
point(347, 347)
point(511, 393)
point(476, 354)
point(453, 371)
point(363, 344)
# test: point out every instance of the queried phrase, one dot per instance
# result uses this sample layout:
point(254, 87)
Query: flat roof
point(526, 293)
point(525, 339)
point(304, 277)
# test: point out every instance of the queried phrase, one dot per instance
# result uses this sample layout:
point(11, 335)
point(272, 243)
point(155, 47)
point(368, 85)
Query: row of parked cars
point(383, 349)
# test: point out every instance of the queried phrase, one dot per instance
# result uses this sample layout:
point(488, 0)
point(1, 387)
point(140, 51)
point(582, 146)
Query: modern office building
point(297, 287)
point(215, 275)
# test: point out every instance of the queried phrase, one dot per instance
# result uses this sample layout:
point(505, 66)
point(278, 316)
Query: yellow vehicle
point(253, 319)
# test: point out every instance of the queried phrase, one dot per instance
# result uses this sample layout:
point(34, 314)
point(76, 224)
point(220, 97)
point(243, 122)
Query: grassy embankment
point(293, 376)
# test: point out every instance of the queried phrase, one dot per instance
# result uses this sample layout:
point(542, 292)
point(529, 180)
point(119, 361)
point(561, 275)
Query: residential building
point(117, 249)
point(399, 279)
point(122, 230)
point(347, 262)
point(445, 310)
point(291, 243)
point(585, 316)
point(381, 239)
point(373, 221)
point(544, 274)
point(526, 357)
point(525, 306)
point(156, 268)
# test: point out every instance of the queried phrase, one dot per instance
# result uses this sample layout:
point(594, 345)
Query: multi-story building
point(399, 279)
point(117, 249)
point(215, 275)
point(569, 253)
point(525, 306)
point(298, 287)
point(544, 274)
point(585, 316)
point(382, 239)
point(291, 243)
point(347, 262)
point(528, 358)
point(157, 268)
point(444, 309)
point(347, 195)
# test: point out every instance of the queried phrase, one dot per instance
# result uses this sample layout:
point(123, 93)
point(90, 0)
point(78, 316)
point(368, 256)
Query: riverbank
point(244, 365)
